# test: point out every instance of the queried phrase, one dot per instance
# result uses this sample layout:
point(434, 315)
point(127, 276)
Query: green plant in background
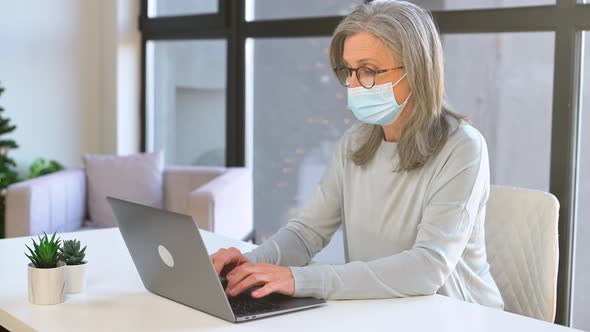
point(41, 167)
point(46, 254)
point(71, 254)
point(8, 174)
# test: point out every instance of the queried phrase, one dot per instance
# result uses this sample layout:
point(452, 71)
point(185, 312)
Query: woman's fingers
point(264, 291)
point(249, 282)
point(227, 257)
point(274, 278)
point(240, 273)
point(220, 259)
point(218, 264)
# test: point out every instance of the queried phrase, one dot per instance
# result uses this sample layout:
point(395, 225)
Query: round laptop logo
point(166, 256)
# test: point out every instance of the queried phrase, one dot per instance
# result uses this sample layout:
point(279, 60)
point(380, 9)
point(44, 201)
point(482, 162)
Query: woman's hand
point(273, 278)
point(225, 260)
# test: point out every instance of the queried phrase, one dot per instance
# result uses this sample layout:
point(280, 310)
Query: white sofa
point(219, 200)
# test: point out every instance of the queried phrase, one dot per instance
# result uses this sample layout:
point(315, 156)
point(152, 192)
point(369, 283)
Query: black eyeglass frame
point(346, 83)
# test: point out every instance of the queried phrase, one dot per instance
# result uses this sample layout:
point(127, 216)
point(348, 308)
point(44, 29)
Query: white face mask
point(376, 105)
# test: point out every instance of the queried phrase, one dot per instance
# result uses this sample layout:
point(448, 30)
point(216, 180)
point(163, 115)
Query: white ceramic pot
point(47, 286)
point(75, 278)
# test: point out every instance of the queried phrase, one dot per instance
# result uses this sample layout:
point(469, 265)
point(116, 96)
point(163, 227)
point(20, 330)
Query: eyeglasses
point(364, 75)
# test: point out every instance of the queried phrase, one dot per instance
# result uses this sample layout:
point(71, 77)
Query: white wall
point(58, 63)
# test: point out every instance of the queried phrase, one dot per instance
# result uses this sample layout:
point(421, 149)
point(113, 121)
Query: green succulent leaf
point(71, 254)
point(45, 253)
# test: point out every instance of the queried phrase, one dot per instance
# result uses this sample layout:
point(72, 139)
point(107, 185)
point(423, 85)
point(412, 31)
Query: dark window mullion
point(143, 9)
point(564, 151)
point(222, 7)
point(300, 27)
point(142, 96)
point(565, 3)
point(235, 95)
point(209, 25)
point(525, 19)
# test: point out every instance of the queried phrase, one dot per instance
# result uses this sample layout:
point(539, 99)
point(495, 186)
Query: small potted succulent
point(75, 265)
point(46, 273)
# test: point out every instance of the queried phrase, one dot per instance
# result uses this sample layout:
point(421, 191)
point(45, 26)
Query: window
point(298, 113)
point(507, 95)
point(283, 9)
point(186, 101)
point(181, 7)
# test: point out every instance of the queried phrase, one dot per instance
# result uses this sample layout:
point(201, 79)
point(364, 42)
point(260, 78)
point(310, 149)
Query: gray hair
point(410, 34)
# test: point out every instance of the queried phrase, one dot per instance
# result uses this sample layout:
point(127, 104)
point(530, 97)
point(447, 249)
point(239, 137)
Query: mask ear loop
point(406, 101)
point(400, 79)
point(394, 84)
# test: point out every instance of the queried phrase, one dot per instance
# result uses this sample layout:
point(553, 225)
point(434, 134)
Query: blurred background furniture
point(219, 200)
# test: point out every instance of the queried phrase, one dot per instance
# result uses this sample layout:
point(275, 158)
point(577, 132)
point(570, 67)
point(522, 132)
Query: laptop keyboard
point(244, 305)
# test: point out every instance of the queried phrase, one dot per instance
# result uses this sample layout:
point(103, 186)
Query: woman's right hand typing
point(225, 260)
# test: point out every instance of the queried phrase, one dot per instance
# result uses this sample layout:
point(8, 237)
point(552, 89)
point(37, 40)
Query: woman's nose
point(353, 81)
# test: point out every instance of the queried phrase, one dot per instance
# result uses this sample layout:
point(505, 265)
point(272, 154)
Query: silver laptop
point(172, 260)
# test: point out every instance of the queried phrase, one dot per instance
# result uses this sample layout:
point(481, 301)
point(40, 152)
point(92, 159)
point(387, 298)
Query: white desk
point(115, 300)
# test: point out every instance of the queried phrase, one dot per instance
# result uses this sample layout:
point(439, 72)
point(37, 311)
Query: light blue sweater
point(406, 233)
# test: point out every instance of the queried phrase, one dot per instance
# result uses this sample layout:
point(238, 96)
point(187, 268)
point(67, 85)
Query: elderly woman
point(409, 185)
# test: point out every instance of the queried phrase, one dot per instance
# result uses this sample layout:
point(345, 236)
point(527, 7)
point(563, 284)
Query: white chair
point(219, 199)
point(522, 248)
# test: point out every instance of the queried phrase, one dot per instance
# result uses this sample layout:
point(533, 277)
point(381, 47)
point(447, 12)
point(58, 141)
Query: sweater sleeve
point(298, 241)
point(456, 196)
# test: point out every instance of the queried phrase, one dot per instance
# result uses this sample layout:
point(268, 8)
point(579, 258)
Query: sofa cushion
point(137, 178)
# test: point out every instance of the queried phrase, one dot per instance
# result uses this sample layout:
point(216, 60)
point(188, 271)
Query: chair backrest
point(179, 181)
point(522, 248)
